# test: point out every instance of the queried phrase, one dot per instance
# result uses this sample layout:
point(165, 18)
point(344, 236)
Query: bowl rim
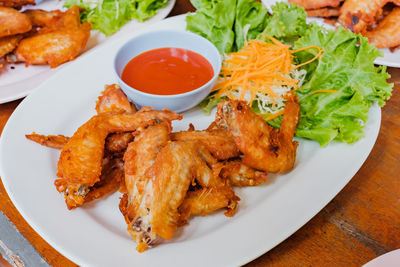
point(194, 91)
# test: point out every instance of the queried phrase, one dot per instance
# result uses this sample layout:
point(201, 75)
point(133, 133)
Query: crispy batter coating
point(217, 141)
point(316, 4)
point(175, 168)
point(324, 12)
point(264, 147)
point(139, 157)
point(387, 33)
point(42, 18)
point(208, 199)
point(357, 15)
point(8, 44)
point(53, 141)
point(56, 43)
point(240, 174)
point(16, 3)
point(80, 162)
point(13, 22)
point(111, 179)
point(114, 99)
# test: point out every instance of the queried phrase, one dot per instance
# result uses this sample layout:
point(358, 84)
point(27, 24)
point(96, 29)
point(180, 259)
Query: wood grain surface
point(359, 224)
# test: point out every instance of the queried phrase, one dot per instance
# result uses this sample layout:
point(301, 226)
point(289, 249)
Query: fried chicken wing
point(387, 33)
point(111, 179)
point(357, 15)
point(53, 141)
point(8, 44)
point(55, 44)
point(42, 18)
point(13, 22)
point(175, 168)
point(16, 3)
point(315, 4)
point(240, 174)
point(208, 199)
point(80, 162)
point(264, 147)
point(217, 141)
point(158, 182)
point(139, 157)
point(324, 12)
point(114, 99)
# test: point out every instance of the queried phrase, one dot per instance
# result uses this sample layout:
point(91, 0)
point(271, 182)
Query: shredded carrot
point(324, 91)
point(274, 115)
point(256, 68)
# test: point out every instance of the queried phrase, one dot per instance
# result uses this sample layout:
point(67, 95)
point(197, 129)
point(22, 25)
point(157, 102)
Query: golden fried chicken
point(16, 3)
point(8, 44)
point(53, 141)
point(208, 199)
point(357, 15)
point(217, 141)
point(240, 174)
point(264, 147)
point(80, 162)
point(113, 99)
point(42, 18)
point(56, 43)
point(315, 4)
point(323, 12)
point(387, 33)
point(13, 22)
point(139, 157)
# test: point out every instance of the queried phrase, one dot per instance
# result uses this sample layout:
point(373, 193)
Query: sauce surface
point(167, 71)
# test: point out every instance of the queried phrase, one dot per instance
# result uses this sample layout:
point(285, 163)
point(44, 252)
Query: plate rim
point(245, 258)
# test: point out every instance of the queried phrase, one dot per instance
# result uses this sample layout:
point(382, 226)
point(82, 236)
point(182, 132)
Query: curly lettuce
point(214, 20)
point(108, 16)
point(346, 68)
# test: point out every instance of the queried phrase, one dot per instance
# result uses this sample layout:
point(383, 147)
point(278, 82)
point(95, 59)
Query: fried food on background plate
point(264, 147)
point(16, 3)
point(323, 12)
point(387, 32)
point(8, 44)
point(313, 4)
point(357, 15)
point(13, 22)
point(55, 43)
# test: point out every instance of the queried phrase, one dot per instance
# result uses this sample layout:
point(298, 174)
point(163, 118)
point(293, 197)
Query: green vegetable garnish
point(109, 16)
point(345, 78)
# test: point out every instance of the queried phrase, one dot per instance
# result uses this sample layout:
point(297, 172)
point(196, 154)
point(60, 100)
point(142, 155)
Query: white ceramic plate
point(17, 81)
point(95, 235)
point(389, 59)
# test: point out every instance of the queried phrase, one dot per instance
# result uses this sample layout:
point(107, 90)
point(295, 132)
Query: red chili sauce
point(167, 71)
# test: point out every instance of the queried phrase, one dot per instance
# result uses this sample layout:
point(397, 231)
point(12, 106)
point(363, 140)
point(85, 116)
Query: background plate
point(389, 59)
point(17, 81)
point(95, 235)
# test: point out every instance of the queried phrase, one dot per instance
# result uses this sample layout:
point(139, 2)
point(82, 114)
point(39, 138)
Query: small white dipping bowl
point(167, 38)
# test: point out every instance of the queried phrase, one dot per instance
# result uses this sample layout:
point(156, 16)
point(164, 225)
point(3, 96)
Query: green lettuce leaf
point(142, 10)
point(214, 20)
point(287, 22)
point(251, 20)
point(346, 66)
point(109, 16)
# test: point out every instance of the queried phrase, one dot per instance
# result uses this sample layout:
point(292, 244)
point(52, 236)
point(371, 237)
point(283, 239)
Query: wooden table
point(359, 224)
